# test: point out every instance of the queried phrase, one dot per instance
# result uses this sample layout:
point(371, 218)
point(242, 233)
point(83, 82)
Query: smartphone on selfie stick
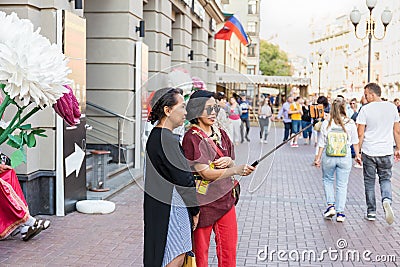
point(316, 112)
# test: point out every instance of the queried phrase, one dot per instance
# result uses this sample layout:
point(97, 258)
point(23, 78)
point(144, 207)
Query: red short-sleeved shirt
point(218, 199)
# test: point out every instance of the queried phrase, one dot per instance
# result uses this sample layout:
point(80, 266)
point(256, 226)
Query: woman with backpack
point(334, 155)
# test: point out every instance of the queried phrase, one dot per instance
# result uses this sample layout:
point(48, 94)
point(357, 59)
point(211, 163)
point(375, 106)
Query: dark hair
point(220, 95)
point(296, 98)
point(165, 97)
point(375, 88)
point(323, 100)
point(196, 104)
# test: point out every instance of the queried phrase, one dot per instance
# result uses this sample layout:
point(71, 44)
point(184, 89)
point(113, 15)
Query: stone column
point(200, 48)
point(157, 14)
point(111, 39)
point(181, 34)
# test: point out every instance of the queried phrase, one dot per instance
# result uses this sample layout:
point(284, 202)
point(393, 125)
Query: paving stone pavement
point(280, 208)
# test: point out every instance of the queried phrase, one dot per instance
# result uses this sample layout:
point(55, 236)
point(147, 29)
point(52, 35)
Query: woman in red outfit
point(210, 154)
point(14, 212)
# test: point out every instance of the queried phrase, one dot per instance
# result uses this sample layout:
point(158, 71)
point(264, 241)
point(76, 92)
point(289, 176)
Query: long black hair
point(165, 97)
point(196, 105)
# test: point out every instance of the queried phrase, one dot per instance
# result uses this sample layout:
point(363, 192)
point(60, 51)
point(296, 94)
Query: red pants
point(226, 237)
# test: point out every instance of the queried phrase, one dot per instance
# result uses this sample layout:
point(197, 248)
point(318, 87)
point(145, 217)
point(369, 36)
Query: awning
point(269, 90)
point(261, 79)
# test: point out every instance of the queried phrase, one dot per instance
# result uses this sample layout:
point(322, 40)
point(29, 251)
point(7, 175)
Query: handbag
point(317, 126)
point(190, 260)
point(236, 184)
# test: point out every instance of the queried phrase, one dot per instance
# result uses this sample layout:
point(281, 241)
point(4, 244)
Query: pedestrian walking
point(337, 134)
point(295, 112)
point(234, 117)
point(211, 154)
point(245, 107)
point(306, 121)
point(14, 213)
point(264, 117)
point(284, 115)
point(378, 128)
point(170, 204)
point(223, 120)
point(324, 102)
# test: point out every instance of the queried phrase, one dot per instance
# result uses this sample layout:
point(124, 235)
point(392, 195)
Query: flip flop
point(44, 223)
point(31, 233)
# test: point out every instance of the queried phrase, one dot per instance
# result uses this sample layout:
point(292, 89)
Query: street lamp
point(320, 62)
point(355, 17)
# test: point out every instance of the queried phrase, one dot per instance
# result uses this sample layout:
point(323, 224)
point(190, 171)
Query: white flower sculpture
point(32, 71)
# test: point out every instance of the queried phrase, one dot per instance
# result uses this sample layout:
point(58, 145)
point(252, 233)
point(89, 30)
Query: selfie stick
point(255, 163)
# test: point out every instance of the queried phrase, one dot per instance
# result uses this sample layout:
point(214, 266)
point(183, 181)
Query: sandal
point(32, 232)
point(44, 223)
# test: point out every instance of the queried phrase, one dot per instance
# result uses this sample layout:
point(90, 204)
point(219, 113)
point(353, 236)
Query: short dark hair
point(374, 88)
point(162, 98)
point(196, 104)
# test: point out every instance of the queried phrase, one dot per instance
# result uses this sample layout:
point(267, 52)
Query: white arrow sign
point(74, 161)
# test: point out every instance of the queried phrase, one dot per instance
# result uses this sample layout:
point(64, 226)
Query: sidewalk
point(284, 213)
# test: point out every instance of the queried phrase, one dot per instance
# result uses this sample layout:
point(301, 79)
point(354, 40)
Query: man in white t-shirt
point(378, 124)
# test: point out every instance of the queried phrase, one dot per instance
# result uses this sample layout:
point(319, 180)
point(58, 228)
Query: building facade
point(346, 71)
point(132, 49)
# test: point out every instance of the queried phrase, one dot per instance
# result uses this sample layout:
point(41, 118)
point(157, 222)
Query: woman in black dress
point(170, 203)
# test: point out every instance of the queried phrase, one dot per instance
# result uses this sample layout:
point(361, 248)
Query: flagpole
point(224, 55)
point(240, 57)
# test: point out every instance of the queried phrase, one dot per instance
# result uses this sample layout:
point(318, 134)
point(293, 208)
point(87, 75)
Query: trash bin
point(100, 170)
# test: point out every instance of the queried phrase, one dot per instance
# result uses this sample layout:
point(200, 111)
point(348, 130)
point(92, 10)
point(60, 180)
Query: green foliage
point(273, 61)
point(17, 134)
point(17, 157)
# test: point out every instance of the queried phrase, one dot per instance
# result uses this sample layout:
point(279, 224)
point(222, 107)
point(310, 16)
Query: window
point(252, 7)
point(251, 50)
point(252, 26)
point(251, 69)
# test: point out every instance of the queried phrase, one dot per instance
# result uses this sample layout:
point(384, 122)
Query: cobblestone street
point(280, 208)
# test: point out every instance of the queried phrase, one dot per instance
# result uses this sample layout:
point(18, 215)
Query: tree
point(273, 61)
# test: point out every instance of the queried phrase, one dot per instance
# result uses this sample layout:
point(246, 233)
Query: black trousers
point(288, 129)
point(247, 122)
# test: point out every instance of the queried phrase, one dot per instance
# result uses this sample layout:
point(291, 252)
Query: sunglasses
point(352, 103)
point(209, 109)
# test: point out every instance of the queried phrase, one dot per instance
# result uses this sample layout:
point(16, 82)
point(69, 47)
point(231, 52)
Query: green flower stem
point(11, 127)
point(4, 104)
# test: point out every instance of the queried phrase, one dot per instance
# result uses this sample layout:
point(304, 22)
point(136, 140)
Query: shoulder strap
point(204, 135)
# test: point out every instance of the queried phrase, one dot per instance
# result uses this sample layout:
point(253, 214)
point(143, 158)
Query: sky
point(287, 22)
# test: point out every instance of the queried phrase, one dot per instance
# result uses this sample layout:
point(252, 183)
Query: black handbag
point(236, 190)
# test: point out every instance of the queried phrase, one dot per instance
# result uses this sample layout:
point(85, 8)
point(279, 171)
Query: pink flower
point(198, 83)
point(68, 107)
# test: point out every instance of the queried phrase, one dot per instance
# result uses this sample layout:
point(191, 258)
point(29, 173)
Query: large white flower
point(33, 69)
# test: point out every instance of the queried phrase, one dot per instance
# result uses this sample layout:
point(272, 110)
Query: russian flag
point(232, 25)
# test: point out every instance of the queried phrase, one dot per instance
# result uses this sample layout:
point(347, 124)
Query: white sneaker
point(388, 211)
point(265, 142)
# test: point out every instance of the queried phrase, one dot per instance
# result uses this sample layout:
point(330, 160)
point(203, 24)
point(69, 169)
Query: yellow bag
point(190, 260)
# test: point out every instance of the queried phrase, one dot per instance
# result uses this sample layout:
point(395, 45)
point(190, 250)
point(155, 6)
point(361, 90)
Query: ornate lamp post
point(320, 62)
point(355, 17)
